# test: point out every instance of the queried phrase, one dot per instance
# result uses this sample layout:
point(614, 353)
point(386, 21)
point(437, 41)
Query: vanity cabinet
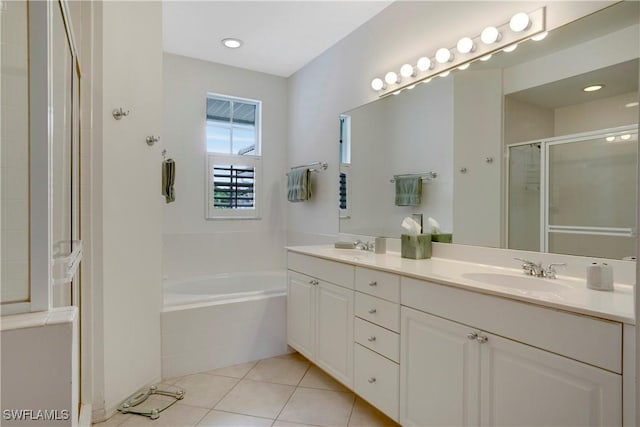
point(320, 314)
point(459, 374)
point(377, 339)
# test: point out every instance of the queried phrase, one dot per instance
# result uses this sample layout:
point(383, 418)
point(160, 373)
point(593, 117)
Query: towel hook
point(164, 154)
point(152, 140)
point(119, 113)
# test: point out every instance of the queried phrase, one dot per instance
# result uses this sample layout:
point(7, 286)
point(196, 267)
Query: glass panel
point(233, 186)
point(524, 197)
point(218, 139)
point(615, 247)
point(244, 140)
point(592, 183)
point(14, 152)
point(62, 95)
point(244, 113)
point(219, 110)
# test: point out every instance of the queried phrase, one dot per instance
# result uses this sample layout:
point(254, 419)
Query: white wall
point(127, 215)
point(194, 246)
point(601, 114)
point(338, 80)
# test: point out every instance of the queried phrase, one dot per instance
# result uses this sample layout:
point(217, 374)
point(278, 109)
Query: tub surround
point(572, 294)
point(439, 341)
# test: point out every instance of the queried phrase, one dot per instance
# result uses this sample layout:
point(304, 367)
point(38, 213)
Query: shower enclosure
point(575, 194)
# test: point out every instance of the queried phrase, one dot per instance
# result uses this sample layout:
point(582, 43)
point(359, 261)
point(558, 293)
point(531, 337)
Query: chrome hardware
point(463, 170)
point(372, 310)
point(364, 246)
point(119, 113)
point(372, 380)
point(482, 339)
point(152, 140)
point(536, 269)
point(550, 272)
point(374, 283)
point(531, 268)
point(472, 335)
point(488, 160)
point(313, 282)
point(371, 338)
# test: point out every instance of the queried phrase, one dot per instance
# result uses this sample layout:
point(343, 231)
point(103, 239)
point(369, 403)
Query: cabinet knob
point(313, 282)
point(372, 380)
point(472, 335)
point(372, 310)
point(482, 339)
point(374, 283)
point(371, 338)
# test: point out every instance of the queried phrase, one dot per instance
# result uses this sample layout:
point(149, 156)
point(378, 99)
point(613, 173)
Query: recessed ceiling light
point(232, 43)
point(631, 104)
point(593, 88)
point(625, 137)
point(610, 138)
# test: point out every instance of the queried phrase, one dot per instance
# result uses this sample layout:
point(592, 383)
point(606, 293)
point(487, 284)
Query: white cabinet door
point(439, 380)
point(334, 331)
point(526, 386)
point(301, 306)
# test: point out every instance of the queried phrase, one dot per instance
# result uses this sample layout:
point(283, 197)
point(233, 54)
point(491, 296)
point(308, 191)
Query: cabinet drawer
point(378, 283)
point(378, 311)
point(330, 271)
point(377, 380)
point(378, 339)
point(587, 339)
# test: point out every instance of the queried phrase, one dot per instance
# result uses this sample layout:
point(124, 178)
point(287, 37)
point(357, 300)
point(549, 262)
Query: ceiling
point(280, 37)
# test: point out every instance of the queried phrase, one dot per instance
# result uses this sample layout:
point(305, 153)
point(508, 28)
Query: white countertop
point(565, 293)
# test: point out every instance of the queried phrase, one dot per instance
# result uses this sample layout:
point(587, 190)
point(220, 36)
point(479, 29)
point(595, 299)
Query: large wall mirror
point(523, 157)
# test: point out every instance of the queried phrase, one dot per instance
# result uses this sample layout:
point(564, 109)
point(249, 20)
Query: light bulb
point(424, 64)
point(426, 80)
point(593, 88)
point(486, 57)
point(391, 78)
point(464, 66)
point(540, 36)
point(397, 92)
point(377, 84)
point(610, 138)
point(444, 55)
point(411, 87)
point(232, 43)
point(490, 35)
point(510, 48)
point(407, 70)
point(465, 45)
point(445, 74)
point(519, 22)
point(625, 137)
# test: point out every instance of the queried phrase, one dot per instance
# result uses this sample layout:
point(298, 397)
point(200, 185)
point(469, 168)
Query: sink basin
point(349, 254)
point(525, 283)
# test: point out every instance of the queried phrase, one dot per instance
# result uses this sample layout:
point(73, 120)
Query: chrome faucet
point(535, 269)
point(365, 246)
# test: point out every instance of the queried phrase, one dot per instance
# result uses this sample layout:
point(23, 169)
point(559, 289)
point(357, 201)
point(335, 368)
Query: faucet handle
point(550, 271)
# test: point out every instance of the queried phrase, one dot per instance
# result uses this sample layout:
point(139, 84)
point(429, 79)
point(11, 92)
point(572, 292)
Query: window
point(345, 163)
point(233, 157)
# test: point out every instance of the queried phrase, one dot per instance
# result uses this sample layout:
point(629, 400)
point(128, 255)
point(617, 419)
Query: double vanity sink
point(443, 341)
point(563, 292)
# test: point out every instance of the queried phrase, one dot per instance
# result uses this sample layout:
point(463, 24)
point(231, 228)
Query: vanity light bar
point(505, 37)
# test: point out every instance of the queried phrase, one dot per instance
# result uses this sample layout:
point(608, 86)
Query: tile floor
point(283, 391)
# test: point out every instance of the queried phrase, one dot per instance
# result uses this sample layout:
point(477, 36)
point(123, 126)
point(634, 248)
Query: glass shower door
point(590, 195)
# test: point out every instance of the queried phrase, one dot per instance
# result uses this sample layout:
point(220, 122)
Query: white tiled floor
point(283, 391)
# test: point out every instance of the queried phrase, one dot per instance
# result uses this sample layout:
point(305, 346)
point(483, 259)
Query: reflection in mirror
point(514, 107)
point(14, 99)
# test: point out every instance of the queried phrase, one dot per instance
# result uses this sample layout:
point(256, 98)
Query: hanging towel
point(168, 179)
point(408, 190)
point(299, 185)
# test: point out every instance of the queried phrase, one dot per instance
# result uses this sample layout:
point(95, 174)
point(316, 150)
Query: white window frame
point(213, 213)
point(255, 161)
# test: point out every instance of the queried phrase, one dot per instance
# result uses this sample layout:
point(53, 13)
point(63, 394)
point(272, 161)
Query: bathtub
point(226, 319)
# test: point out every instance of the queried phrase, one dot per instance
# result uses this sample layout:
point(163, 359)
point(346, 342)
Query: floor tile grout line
point(294, 392)
point(353, 406)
